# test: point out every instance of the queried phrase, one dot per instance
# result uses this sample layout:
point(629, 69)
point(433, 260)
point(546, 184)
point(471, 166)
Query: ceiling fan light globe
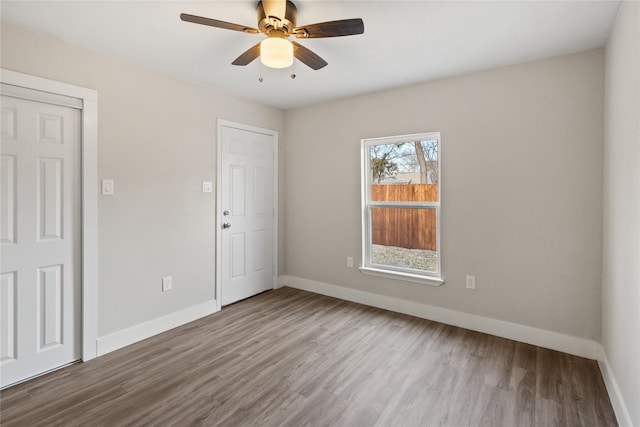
point(276, 52)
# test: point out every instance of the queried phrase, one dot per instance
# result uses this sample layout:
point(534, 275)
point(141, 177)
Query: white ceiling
point(404, 42)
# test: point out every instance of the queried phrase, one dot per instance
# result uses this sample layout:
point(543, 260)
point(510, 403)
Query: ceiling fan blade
point(275, 8)
point(344, 27)
point(218, 24)
point(307, 57)
point(248, 56)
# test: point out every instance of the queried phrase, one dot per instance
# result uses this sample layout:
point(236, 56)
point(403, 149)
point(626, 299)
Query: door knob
point(226, 225)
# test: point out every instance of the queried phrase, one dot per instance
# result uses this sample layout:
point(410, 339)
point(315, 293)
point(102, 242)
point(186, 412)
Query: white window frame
point(392, 272)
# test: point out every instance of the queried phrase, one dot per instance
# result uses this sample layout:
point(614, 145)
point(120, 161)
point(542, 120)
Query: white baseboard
point(619, 407)
point(125, 337)
point(540, 337)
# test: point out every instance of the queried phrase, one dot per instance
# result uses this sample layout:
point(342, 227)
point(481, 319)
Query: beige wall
point(157, 141)
point(621, 267)
point(521, 190)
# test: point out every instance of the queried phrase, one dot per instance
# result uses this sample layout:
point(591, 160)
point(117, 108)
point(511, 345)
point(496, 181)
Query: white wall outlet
point(471, 282)
point(166, 283)
point(350, 261)
point(108, 187)
point(207, 187)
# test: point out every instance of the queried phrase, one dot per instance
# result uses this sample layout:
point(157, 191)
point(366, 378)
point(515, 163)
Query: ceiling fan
point(277, 20)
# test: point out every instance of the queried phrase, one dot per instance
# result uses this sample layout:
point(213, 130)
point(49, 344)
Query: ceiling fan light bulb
point(276, 52)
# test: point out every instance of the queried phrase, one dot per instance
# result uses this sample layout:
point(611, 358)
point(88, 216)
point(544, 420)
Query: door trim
point(89, 195)
point(219, 219)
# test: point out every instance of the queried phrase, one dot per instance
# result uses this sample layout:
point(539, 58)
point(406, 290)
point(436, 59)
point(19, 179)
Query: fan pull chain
point(293, 72)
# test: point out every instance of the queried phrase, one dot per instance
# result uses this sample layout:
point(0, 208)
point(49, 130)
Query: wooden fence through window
point(409, 228)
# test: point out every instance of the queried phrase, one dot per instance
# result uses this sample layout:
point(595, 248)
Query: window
point(401, 207)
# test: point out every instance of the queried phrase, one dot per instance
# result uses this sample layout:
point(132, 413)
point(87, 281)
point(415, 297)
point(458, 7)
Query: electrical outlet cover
point(471, 282)
point(166, 283)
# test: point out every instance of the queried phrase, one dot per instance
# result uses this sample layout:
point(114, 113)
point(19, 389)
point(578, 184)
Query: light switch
point(207, 186)
point(108, 188)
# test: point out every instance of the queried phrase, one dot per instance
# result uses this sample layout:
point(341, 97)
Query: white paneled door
point(39, 238)
point(247, 213)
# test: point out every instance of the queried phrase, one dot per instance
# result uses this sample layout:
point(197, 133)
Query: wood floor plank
point(293, 358)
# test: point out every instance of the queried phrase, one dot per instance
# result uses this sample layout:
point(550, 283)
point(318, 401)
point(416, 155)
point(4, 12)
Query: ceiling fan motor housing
point(276, 25)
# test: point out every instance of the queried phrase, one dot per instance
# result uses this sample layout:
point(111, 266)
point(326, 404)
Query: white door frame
point(219, 219)
point(89, 195)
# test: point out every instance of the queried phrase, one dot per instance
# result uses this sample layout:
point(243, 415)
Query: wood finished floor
point(293, 358)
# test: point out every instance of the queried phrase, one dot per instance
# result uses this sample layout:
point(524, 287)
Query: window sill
point(390, 274)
